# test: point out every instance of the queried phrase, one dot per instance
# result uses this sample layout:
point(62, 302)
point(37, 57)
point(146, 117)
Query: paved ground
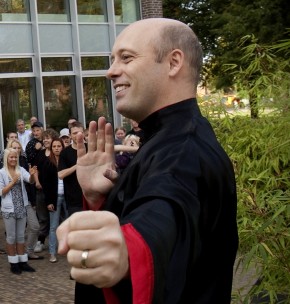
point(50, 284)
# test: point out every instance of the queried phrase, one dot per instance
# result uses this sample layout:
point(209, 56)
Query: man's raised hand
point(93, 163)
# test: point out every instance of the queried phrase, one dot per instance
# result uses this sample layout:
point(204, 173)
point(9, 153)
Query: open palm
point(99, 157)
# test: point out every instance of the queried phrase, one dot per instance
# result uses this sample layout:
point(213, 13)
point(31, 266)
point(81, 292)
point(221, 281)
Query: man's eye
point(126, 58)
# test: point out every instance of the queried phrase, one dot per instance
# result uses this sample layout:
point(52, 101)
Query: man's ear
point(176, 58)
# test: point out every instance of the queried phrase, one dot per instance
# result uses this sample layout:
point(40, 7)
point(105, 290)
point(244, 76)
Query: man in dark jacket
point(35, 144)
point(165, 230)
point(67, 171)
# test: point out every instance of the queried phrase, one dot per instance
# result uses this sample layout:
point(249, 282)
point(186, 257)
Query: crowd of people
point(39, 188)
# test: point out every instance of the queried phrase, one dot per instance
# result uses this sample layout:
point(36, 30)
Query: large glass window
point(53, 11)
point(95, 63)
point(126, 11)
point(17, 99)
point(59, 100)
point(15, 65)
point(92, 11)
point(53, 64)
point(97, 98)
point(14, 10)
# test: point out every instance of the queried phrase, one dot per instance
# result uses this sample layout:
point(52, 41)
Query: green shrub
point(260, 152)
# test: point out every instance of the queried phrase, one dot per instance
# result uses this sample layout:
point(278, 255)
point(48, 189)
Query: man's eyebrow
point(120, 51)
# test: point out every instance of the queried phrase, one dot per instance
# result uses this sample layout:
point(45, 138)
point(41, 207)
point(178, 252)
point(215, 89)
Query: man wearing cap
point(65, 137)
point(33, 148)
point(35, 144)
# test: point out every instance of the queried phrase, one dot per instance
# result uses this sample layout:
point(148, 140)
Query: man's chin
point(123, 110)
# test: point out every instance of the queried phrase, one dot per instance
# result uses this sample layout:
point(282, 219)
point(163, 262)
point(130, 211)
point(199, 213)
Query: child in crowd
point(120, 134)
point(123, 158)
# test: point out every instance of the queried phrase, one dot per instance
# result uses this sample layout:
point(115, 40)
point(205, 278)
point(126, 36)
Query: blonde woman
point(13, 208)
point(32, 220)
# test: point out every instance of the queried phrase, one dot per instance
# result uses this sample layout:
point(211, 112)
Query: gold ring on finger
point(85, 255)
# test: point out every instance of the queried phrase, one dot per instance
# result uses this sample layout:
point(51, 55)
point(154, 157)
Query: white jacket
point(6, 199)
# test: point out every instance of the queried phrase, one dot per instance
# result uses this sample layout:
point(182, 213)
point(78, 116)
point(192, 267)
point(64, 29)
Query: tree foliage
point(197, 15)
point(262, 73)
point(259, 150)
point(220, 25)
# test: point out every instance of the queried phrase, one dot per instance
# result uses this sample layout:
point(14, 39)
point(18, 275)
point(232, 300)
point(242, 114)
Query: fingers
point(81, 148)
point(62, 234)
point(92, 137)
point(109, 138)
point(112, 175)
point(100, 138)
point(105, 137)
point(95, 259)
point(87, 220)
point(101, 134)
point(98, 234)
point(84, 228)
point(33, 169)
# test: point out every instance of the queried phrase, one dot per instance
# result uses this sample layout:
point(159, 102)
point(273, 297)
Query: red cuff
point(141, 268)
point(141, 265)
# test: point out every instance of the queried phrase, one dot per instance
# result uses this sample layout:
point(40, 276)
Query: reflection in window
point(95, 63)
point(17, 96)
point(53, 11)
point(92, 11)
point(14, 10)
point(15, 65)
point(126, 11)
point(53, 64)
point(59, 100)
point(97, 98)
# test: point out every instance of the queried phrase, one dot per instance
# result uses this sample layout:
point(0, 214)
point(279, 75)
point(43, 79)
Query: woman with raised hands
point(13, 208)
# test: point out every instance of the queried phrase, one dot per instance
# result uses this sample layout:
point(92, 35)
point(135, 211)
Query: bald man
point(165, 231)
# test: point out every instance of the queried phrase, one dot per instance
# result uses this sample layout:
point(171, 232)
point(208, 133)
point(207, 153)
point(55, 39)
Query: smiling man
point(165, 231)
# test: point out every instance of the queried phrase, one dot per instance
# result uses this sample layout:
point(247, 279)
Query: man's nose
point(113, 71)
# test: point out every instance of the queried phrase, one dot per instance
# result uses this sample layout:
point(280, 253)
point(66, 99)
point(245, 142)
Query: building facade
point(54, 56)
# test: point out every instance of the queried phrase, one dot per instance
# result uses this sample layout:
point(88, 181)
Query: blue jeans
point(54, 223)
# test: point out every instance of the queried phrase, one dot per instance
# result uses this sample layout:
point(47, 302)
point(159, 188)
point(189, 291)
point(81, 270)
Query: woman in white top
point(13, 208)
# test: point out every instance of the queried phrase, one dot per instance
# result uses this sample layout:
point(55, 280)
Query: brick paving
point(50, 284)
